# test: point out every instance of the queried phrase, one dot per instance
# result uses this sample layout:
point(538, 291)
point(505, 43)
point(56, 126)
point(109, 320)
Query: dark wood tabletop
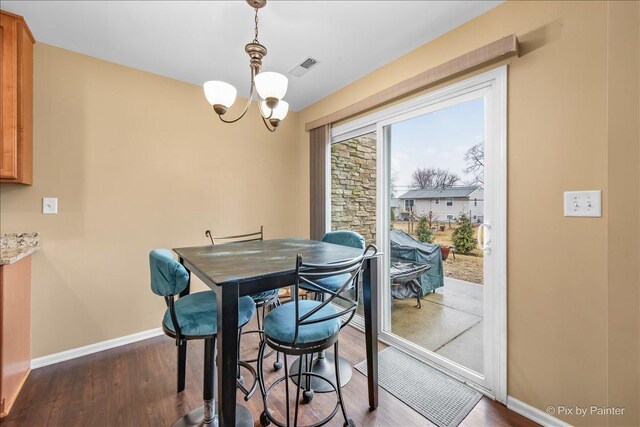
point(246, 261)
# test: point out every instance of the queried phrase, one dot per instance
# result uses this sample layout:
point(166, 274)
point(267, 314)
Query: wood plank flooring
point(134, 385)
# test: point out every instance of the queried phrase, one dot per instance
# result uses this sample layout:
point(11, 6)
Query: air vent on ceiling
point(303, 68)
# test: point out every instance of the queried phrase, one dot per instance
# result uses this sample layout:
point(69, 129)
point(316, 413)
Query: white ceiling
point(196, 41)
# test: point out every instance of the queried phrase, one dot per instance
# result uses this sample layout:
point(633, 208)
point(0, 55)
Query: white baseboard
point(534, 414)
point(39, 362)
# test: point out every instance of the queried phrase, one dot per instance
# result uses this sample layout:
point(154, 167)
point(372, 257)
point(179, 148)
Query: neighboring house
point(446, 203)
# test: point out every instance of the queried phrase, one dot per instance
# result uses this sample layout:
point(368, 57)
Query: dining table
point(234, 270)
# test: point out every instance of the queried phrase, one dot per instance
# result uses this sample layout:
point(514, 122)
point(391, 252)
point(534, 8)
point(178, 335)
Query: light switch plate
point(49, 205)
point(583, 203)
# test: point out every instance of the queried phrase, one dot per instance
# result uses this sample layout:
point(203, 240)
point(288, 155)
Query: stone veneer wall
point(353, 186)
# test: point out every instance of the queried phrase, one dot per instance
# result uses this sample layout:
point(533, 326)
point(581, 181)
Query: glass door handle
point(485, 245)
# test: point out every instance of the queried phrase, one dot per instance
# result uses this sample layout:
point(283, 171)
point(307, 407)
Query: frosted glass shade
point(279, 113)
point(271, 85)
point(220, 93)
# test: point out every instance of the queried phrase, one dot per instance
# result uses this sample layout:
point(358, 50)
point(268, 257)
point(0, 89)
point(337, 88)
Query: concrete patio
point(449, 322)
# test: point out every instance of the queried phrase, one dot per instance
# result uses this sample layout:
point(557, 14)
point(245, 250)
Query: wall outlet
point(49, 205)
point(583, 203)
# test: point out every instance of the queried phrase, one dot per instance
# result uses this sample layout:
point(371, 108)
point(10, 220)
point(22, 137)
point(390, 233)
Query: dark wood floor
point(134, 385)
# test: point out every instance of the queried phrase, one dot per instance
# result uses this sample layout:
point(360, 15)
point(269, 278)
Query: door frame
point(493, 84)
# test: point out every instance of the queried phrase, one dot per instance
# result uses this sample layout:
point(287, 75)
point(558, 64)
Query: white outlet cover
point(49, 205)
point(583, 203)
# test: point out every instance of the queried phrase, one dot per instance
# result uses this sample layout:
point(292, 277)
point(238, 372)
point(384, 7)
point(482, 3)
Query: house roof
point(439, 192)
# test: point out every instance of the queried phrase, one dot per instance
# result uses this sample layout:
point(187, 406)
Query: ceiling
point(196, 41)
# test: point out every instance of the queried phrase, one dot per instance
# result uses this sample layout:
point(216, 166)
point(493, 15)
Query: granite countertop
point(15, 246)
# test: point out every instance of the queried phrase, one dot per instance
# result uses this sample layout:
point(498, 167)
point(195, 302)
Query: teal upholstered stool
point(264, 300)
point(280, 324)
point(193, 316)
point(196, 314)
point(324, 363)
point(343, 238)
point(303, 328)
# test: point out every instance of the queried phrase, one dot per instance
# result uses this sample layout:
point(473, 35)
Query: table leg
point(227, 354)
point(370, 302)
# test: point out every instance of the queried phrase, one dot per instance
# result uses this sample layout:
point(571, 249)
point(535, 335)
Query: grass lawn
point(464, 267)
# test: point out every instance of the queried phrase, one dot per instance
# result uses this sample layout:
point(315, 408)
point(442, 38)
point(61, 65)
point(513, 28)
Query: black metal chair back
point(249, 237)
point(310, 274)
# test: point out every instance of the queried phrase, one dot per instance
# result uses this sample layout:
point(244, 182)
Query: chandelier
point(271, 87)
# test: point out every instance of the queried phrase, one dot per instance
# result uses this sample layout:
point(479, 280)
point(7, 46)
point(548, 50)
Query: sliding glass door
point(437, 213)
point(435, 270)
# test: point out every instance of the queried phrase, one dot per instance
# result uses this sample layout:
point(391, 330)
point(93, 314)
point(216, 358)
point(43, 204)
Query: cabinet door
point(8, 112)
point(15, 329)
point(24, 130)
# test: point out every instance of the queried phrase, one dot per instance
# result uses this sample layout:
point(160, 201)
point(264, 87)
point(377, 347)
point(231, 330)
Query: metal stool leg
point(347, 420)
point(307, 395)
point(248, 392)
point(277, 365)
point(264, 420)
point(275, 302)
point(239, 374)
point(295, 418)
point(286, 388)
point(182, 364)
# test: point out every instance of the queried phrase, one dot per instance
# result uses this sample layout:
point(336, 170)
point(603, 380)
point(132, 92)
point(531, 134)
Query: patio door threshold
point(444, 365)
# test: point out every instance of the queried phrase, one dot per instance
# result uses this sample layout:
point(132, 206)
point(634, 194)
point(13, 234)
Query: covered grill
point(416, 267)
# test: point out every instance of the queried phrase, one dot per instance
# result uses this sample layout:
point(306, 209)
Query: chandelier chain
point(256, 27)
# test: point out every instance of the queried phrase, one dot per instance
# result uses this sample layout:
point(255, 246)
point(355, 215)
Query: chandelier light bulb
point(271, 85)
point(279, 112)
point(220, 94)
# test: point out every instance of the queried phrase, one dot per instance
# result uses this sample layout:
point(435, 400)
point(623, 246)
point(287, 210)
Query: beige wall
point(137, 161)
point(624, 182)
point(573, 329)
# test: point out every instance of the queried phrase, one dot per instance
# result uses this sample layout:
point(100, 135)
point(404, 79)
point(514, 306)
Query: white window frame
point(449, 201)
point(494, 82)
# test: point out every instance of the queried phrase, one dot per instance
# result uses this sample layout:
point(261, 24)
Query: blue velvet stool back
point(168, 276)
point(345, 238)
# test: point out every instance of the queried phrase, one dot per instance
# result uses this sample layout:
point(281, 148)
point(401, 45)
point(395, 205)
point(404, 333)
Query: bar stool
point(324, 363)
point(194, 316)
point(305, 327)
point(264, 300)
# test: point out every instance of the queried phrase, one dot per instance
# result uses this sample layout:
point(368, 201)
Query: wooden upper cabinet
point(16, 113)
